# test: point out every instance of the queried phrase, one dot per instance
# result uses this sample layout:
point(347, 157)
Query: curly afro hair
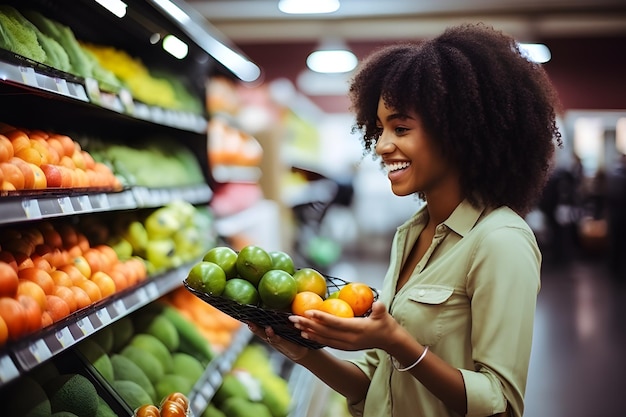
point(490, 110)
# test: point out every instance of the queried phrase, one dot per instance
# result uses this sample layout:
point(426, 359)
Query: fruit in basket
point(179, 398)
point(171, 408)
point(308, 279)
point(336, 307)
point(252, 263)
point(305, 300)
point(282, 260)
point(147, 410)
point(358, 295)
point(207, 277)
point(277, 289)
point(225, 257)
point(241, 291)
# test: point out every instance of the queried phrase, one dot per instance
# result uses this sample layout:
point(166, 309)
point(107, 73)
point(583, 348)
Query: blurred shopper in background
point(616, 217)
point(467, 123)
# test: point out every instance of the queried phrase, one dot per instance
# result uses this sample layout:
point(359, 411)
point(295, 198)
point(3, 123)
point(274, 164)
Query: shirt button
point(422, 293)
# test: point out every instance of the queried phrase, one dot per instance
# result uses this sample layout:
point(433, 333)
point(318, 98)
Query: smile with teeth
point(396, 166)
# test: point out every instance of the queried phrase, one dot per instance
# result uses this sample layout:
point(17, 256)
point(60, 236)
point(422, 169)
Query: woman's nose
point(384, 144)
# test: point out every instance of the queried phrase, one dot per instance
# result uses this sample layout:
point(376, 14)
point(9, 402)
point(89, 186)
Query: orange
point(109, 254)
point(308, 279)
point(81, 263)
point(92, 290)
point(42, 147)
point(105, 283)
point(19, 246)
point(82, 242)
point(42, 263)
point(81, 297)
point(19, 140)
point(30, 155)
point(26, 287)
point(74, 273)
point(46, 319)
point(69, 235)
point(32, 313)
point(96, 261)
point(40, 182)
point(360, 297)
point(27, 172)
point(4, 332)
point(8, 280)
point(8, 258)
point(61, 278)
point(68, 296)
point(23, 260)
point(306, 300)
point(13, 175)
point(66, 142)
point(39, 277)
point(336, 307)
point(57, 308)
point(90, 163)
point(7, 186)
point(14, 316)
point(57, 146)
point(6, 149)
point(52, 237)
point(67, 162)
point(120, 280)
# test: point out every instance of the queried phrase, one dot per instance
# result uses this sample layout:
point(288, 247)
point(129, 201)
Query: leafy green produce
point(19, 38)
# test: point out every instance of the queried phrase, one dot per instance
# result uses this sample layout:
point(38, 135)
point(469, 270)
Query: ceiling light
point(332, 61)
point(175, 46)
point(117, 7)
point(308, 6)
point(535, 52)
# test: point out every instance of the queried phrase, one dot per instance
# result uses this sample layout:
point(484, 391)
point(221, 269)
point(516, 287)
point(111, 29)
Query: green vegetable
point(17, 37)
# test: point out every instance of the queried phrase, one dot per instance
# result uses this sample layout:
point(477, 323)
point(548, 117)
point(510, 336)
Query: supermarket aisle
point(578, 361)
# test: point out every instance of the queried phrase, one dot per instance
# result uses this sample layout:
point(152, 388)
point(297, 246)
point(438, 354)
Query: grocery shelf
point(22, 206)
point(27, 75)
point(24, 355)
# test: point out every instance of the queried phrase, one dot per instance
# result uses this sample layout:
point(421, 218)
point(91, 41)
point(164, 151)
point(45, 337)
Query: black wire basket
point(276, 319)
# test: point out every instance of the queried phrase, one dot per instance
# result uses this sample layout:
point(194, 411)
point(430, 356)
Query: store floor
point(578, 361)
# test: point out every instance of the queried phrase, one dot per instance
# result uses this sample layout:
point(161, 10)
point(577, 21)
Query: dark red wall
point(589, 73)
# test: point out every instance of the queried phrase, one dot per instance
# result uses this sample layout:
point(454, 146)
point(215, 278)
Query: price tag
point(8, 370)
point(127, 101)
point(152, 291)
point(199, 403)
point(119, 307)
point(66, 205)
point(85, 326)
point(103, 315)
point(64, 337)
point(61, 86)
point(99, 202)
point(207, 390)
point(215, 379)
point(28, 76)
point(93, 90)
point(82, 203)
point(40, 351)
point(31, 209)
point(142, 296)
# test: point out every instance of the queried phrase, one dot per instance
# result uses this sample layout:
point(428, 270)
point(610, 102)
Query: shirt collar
point(463, 218)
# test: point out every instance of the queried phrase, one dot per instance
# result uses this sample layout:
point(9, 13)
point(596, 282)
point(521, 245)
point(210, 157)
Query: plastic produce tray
point(278, 320)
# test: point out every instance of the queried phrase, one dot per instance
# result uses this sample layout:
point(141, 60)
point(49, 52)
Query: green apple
point(225, 257)
point(161, 253)
point(162, 223)
point(137, 235)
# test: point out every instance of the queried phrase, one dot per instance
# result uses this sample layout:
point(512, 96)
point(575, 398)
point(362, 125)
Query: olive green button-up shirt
point(472, 299)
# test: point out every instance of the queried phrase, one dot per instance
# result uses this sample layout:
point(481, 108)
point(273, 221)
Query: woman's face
point(412, 160)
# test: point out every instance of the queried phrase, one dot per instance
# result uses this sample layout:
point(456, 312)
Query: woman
point(468, 123)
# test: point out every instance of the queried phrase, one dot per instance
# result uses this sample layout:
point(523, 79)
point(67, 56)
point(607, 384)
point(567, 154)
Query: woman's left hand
point(373, 331)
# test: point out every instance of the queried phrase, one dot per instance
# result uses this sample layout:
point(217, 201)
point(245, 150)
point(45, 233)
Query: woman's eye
point(400, 130)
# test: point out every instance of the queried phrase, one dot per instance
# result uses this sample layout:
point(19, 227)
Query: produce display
point(49, 271)
point(149, 355)
point(151, 162)
point(265, 288)
point(252, 388)
point(39, 160)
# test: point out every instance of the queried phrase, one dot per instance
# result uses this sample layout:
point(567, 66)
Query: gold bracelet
point(394, 361)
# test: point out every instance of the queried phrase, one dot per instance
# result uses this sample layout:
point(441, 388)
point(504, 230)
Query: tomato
point(180, 398)
point(147, 410)
point(207, 277)
point(252, 263)
point(225, 257)
point(281, 260)
point(277, 289)
point(171, 408)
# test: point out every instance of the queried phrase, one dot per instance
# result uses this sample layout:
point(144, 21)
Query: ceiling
point(250, 21)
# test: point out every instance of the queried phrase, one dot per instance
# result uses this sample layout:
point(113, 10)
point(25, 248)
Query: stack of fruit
point(257, 277)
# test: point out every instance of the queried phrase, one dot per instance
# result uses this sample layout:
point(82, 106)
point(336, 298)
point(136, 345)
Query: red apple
point(53, 175)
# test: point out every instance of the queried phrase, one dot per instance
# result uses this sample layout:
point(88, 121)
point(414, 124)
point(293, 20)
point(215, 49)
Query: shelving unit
point(35, 95)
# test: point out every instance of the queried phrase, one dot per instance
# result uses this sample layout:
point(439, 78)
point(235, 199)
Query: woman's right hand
point(293, 351)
